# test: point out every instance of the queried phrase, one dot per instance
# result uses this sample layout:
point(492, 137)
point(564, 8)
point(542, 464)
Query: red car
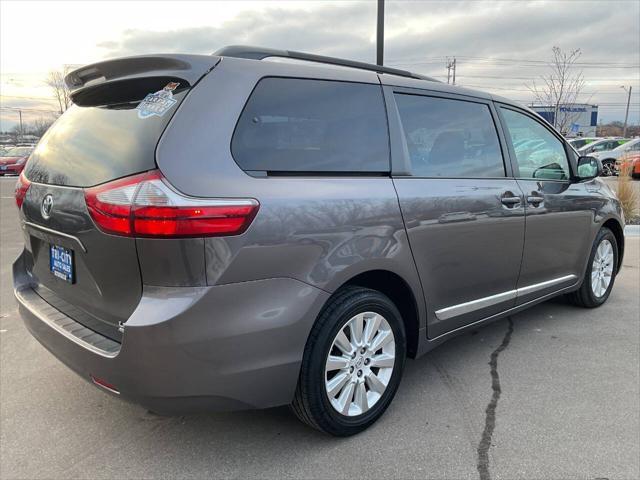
point(630, 163)
point(13, 160)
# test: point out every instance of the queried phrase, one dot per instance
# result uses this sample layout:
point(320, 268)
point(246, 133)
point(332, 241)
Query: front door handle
point(510, 200)
point(535, 199)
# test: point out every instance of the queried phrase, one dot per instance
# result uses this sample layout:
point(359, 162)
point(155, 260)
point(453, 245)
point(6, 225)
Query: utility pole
point(454, 70)
point(626, 115)
point(451, 70)
point(380, 34)
point(22, 131)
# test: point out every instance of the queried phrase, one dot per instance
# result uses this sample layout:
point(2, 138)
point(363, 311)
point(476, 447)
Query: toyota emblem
point(47, 205)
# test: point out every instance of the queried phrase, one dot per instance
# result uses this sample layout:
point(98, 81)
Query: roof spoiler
point(189, 68)
point(259, 53)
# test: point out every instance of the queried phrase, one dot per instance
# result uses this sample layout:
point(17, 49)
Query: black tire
point(311, 403)
point(584, 296)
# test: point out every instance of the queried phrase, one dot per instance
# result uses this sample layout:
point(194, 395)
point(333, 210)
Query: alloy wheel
point(602, 268)
point(360, 364)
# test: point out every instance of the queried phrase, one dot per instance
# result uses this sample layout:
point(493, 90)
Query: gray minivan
point(228, 231)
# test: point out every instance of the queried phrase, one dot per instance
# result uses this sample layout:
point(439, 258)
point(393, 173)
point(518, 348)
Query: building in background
point(575, 120)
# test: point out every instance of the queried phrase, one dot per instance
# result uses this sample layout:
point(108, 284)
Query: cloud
point(420, 35)
point(603, 30)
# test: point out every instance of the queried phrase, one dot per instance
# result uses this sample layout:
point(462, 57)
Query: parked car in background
point(609, 158)
point(602, 145)
point(334, 222)
point(630, 162)
point(580, 142)
point(12, 161)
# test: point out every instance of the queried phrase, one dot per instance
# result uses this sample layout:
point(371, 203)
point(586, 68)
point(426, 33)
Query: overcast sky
point(499, 46)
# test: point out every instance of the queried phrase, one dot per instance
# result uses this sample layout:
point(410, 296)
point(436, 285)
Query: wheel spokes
point(383, 360)
point(381, 339)
point(356, 328)
point(360, 397)
point(337, 363)
point(336, 383)
point(344, 400)
point(374, 383)
point(343, 343)
point(373, 324)
point(360, 363)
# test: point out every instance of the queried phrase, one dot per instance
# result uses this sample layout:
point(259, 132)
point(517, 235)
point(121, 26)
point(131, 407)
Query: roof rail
point(259, 53)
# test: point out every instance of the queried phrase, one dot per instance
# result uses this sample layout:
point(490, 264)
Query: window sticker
point(158, 103)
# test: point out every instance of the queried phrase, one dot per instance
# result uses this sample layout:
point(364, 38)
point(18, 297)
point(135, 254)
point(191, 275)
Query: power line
point(27, 97)
point(508, 61)
point(20, 109)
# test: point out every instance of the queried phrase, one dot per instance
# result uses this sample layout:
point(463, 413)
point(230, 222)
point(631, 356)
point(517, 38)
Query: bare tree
point(55, 80)
point(39, 126)
point(560, 88)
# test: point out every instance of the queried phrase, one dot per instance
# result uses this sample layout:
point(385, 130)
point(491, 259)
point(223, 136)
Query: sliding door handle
point(510, 200)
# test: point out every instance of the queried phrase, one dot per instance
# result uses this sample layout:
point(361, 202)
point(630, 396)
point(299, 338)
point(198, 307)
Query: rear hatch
point(109, 133)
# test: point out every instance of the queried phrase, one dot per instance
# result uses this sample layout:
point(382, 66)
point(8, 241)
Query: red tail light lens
point(145, 205)
point(21, 189)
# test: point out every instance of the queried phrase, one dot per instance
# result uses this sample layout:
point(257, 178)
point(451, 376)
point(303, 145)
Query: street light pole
point(380, 34)
point(626, 115)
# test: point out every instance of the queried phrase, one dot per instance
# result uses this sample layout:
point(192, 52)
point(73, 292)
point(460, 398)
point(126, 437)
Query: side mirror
point(588, 168)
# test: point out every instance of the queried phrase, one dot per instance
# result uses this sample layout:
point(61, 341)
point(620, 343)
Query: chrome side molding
point(468, 307)
point(542, 285)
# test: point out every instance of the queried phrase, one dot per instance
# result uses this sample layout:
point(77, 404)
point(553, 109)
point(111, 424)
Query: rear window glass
point(95, 144)
point(298, 125)
point(450, 138)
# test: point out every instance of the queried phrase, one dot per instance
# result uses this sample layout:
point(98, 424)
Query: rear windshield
point(89, 145)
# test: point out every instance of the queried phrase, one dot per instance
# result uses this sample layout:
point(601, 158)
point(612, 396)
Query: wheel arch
point(398, 290)
point(618, 232)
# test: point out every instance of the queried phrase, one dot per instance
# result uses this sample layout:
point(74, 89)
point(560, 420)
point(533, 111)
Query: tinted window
point(604, 146)
point(92, 145)
point(578, 143)
point(312, 126)
point(450, 138)
point(634, 146)
point(539, 153)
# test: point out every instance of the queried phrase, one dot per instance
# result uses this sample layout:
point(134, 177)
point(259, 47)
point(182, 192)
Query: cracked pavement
point(569, 406)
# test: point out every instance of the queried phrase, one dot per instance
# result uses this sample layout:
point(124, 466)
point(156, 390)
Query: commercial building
point(575, 120)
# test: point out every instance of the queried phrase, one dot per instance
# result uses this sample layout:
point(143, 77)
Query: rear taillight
point(21, 189)
point(146, 206)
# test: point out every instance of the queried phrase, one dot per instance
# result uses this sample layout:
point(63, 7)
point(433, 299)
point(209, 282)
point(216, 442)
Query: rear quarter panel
point(319, 230)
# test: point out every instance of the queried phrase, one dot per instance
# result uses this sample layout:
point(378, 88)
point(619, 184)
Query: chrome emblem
point(47, 206)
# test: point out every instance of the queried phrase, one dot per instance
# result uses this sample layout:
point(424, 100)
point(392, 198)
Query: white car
point(610, 157)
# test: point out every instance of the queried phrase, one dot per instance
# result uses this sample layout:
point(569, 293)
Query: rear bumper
point(189, 349)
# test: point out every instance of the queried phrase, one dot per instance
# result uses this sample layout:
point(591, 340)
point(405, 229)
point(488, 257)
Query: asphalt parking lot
point(569, 406)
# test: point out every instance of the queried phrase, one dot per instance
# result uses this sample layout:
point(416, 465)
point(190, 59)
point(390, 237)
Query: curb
point(632, 231)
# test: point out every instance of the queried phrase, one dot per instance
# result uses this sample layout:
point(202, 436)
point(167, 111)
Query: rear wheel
point(352, 363)
point(601, 271)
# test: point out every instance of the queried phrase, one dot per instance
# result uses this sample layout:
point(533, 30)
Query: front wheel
point(352, 363)
point(608, 168)
point(601, 271)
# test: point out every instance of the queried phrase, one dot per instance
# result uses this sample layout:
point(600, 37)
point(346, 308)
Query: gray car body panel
point(223, 322)
point(180, 352)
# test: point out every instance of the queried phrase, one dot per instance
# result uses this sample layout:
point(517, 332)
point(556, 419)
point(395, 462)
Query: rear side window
point(450, 138)
point(299, 125)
